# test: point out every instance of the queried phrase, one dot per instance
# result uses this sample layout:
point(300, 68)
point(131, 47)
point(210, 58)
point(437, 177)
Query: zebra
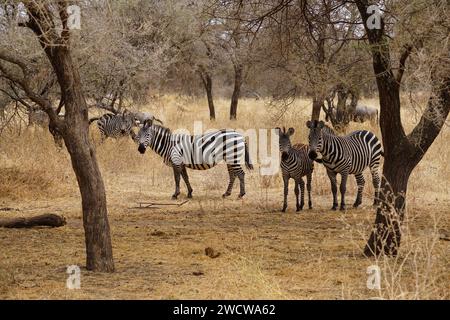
point(116, 125)
point(200, 152)
point(346, 155)
point(295, 164)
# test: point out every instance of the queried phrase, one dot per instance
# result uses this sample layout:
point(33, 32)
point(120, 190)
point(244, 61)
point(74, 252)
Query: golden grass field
point(264, 254)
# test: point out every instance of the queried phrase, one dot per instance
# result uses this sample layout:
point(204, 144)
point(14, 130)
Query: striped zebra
point(201, 152)
point(116, 125)
point(295, 164)
point(346, 155)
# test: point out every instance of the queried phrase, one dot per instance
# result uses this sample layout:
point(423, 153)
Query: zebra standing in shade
point(346, 155)
point(295, 164)
point(116, 125)
point(201, 152)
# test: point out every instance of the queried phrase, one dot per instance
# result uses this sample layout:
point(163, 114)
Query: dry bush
point(32, 166)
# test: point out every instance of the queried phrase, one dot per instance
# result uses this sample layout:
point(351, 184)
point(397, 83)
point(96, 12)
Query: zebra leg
point(376, 183)
point(332, 176)
point(302, 190)
point(176, 173)
point(241, 175)
point(231, 183)
point(308, 187)
point(360, 183)
point(285, 192)
point(186, 181)
point(343, 189)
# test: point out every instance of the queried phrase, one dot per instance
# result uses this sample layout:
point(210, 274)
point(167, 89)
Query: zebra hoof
point(189, 195)
point(334, 208)
point(283, 210)
point(226, 194)
point(342, 208)
point(241, 196)
point(356, 204)
point(174, 197)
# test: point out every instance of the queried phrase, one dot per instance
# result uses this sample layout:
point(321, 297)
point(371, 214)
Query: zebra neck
point(327, 140)
point(161, 142)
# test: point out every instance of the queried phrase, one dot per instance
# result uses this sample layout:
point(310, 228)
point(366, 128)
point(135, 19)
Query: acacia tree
point(425, 30)
point(239, 41)
point(48, 21)
point(131, 54)
point(313, 41)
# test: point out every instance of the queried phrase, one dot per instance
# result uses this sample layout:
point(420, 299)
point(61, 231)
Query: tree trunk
point(238, 70)
point(207, 83)
point(84, 162)
point(386, 234)
point(73, 127)
point(317, 106)
point(402, 153)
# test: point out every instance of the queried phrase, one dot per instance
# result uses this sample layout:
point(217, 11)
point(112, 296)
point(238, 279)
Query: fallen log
point(44, 220)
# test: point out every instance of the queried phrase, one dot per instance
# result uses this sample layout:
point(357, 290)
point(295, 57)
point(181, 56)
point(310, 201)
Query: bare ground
point(263, 253)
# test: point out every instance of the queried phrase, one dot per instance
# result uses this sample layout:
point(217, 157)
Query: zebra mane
point(161, 128)
point(327, 130)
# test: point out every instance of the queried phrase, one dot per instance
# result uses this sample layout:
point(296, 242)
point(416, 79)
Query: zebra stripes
point(346, 155)
point(200, 152)
point(295, 164)
point(116, 125)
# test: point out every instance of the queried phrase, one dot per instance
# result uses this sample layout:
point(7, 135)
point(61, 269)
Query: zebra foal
point(295, 164)
point(346, 155)
point(201, 152)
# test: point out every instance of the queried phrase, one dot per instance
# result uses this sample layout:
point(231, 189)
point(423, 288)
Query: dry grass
point(263, 253)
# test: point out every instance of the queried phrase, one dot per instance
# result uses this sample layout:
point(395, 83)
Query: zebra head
point(315, 137)
point(145, 135)
point(284, 138)
point(127, 122)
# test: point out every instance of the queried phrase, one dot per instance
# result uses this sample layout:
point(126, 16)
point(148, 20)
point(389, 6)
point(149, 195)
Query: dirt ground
point(258, 252)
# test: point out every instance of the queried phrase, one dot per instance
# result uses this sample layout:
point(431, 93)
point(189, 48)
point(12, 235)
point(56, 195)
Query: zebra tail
point(93, 119)
point(248, 163)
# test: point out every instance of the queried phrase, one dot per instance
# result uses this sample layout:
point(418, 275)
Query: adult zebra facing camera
point(349, 154)
point(200, 152)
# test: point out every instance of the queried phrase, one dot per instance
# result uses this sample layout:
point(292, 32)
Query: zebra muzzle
point(141, 148)
point(312, 154)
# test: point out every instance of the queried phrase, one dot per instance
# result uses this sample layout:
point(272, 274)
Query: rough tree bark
point(401, 152)
point(238, 76)
point(74, 127)
point(318, 104)
point(207, 84)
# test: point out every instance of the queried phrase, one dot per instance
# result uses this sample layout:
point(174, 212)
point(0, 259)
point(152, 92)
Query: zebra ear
point(308, 124)
point(277, 131)
point(290, 131)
